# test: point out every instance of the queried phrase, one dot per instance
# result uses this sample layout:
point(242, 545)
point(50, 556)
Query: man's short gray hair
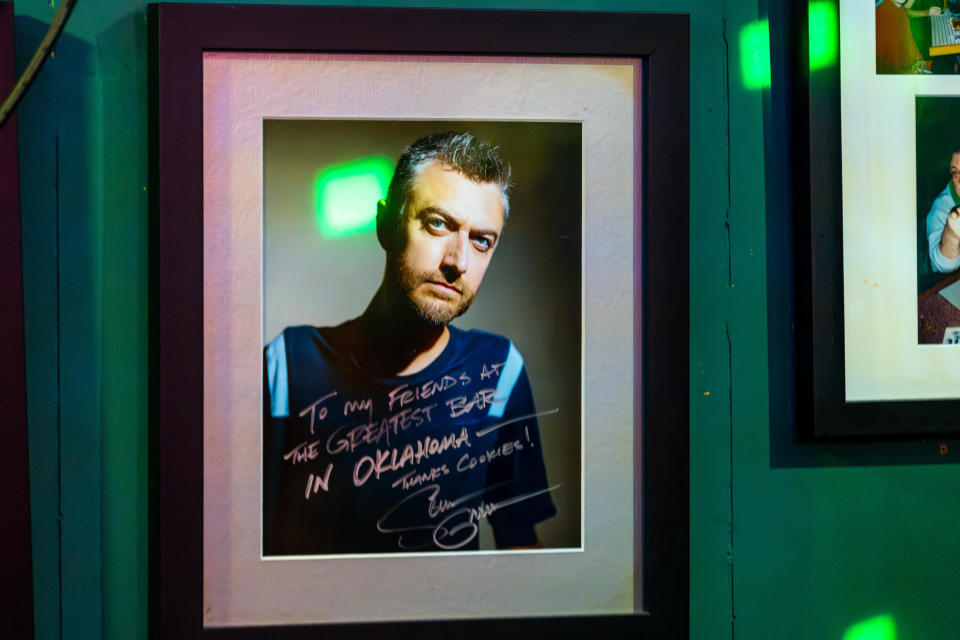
point(474, 157)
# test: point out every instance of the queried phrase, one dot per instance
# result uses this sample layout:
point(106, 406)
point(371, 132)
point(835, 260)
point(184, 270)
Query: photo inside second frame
point(938, 220)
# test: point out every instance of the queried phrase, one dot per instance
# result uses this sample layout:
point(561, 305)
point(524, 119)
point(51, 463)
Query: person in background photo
point(943, 223)
point(897, 51)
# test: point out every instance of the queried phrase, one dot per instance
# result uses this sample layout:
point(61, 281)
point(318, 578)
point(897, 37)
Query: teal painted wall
point(787, 541)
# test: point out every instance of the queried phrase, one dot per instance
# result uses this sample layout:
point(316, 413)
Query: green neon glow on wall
point(345, 196)
point(878, 628)
point(824, 33)
point(755, 55)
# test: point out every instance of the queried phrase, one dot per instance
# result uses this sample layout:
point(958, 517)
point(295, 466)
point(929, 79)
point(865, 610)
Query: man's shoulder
point(944, 198)
point(492, 348)
point(479, 339)
point(308, 344)
point(298, 334)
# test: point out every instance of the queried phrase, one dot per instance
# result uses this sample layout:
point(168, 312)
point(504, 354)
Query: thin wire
point(36, 62)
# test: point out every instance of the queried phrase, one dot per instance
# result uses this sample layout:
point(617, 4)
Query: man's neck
point(390, 339)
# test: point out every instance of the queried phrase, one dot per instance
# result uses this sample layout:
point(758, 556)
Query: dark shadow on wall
point(60, 229)
point(786, 139)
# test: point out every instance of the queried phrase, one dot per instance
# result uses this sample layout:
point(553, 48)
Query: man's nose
point(457, 252)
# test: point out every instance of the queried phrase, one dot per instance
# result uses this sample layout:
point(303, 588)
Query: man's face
point(955, 171)
point(448, 234)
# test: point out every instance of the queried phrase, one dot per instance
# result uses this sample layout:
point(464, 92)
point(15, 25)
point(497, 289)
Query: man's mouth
point(444, 286)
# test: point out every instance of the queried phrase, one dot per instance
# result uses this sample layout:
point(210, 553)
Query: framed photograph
point(16, 587)
point(875, 302)
point(349, 429)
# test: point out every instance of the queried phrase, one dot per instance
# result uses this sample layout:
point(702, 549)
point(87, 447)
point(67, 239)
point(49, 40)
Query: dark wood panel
point(16, 567)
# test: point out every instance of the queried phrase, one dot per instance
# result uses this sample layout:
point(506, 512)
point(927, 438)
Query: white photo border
point(240, 589)
point(883, 360)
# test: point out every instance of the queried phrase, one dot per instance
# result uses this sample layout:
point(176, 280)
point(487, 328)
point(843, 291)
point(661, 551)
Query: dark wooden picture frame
point(179, 34)
point(16, 567)
point(821, 406)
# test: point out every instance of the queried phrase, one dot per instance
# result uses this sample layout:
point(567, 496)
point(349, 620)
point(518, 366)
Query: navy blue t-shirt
point(354, 464)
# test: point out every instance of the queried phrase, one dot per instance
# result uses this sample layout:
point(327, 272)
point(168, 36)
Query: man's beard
point(432, 310)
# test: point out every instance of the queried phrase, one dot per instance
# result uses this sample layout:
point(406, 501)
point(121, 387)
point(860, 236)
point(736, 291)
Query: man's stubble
point(429, 308)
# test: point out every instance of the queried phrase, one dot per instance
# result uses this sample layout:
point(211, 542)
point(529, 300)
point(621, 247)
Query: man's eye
point(482, 243)
point(438, 224)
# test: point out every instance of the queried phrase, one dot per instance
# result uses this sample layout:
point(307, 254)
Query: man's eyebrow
point(435, 210)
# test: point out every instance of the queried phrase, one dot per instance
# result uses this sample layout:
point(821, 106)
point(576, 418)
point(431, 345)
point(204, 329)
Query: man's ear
point(385, 234)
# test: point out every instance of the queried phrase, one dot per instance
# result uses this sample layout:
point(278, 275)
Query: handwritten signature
point(460, 524)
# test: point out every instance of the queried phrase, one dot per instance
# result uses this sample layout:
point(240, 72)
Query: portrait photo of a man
point(403, 409)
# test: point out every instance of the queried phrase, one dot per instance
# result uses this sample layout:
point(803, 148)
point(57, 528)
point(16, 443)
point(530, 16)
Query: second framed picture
point(881, 308)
